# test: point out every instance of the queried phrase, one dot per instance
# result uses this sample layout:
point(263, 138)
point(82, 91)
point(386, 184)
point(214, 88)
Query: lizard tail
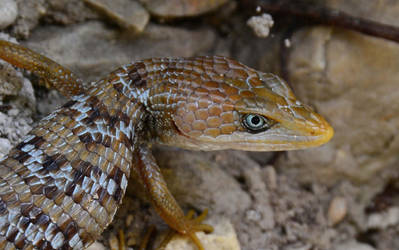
point(56, 76)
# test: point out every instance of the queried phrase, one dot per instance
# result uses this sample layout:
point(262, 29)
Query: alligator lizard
point(61, 186)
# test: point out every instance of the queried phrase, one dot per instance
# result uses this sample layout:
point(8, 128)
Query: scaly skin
point(62, 185)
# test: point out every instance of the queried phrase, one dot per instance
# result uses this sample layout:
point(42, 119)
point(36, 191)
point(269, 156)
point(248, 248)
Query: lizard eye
point(256, 123)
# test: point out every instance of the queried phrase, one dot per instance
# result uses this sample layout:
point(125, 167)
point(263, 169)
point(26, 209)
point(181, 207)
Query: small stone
point(261, 24)
point(127, 14)
point(337, 210)
point(384, 219)
point(113, 242)
point(132, 239)
point(5, 147)
point(96, 246)
point(129, 220)
point(287, 43)
point(223, 237)
point(8, 12)
point(10, 80)
point(13, 112)
point(253, 215)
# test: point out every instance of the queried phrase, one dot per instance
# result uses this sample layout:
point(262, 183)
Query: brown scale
point(68, 178)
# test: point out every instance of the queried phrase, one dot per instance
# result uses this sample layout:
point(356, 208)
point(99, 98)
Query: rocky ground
point(341, 196)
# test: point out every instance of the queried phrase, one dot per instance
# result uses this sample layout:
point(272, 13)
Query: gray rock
point(28, 18)
point(8, 12)
point(10, 80)
point(349, 78)
point(94, 50)
point(261, 25)
point(383, 220)
point(5, 147)
point(128, 14)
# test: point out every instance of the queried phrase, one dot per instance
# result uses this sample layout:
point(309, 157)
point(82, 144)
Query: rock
point(261, 213)
point(350, 79)
point(113, 242)
point(15, 127)
point(28, 18)
point(261, 25)
point(16, 112)
point(96, 246)
point(93, 49)
point(49, 11)
point(8, 12)
point(10, 80)
point(5, 147)
point(278, 213)
point(271, 177)
point(223, 237)
point(68, 11)
point(337, 210)
point(202, 185)
point(353, 245)
point(181, 8)
point(384, 219)
point(128, 14)
point(385, 11)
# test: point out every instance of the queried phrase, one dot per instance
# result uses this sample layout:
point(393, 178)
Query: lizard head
point(228, 105)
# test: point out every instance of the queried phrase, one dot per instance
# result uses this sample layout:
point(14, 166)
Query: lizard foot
point(194, 225)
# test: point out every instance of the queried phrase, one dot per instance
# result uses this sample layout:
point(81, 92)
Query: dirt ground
point(341, 196)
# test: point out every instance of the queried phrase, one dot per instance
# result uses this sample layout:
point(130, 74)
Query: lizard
point(62, 185)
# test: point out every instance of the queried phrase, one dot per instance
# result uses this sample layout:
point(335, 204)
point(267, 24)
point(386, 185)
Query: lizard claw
point(194, 225)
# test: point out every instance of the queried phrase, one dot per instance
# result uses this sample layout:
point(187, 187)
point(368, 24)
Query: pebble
point(5, 147)
point(8, 12)
point(13, 112)
point(96, 246)
point(130, 15)
point(129, 220)
point(113, 242)
point(337, 210)
point(384, 219)
point(261, 25)
point(10, 80)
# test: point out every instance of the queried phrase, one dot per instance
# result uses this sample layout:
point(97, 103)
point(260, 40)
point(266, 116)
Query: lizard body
point(62, 185)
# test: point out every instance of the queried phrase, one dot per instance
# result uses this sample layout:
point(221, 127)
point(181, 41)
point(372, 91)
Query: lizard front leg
point(161, 198)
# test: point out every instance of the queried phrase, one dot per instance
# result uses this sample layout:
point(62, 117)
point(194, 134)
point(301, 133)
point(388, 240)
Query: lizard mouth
point(290, 136)
point(277, 140)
